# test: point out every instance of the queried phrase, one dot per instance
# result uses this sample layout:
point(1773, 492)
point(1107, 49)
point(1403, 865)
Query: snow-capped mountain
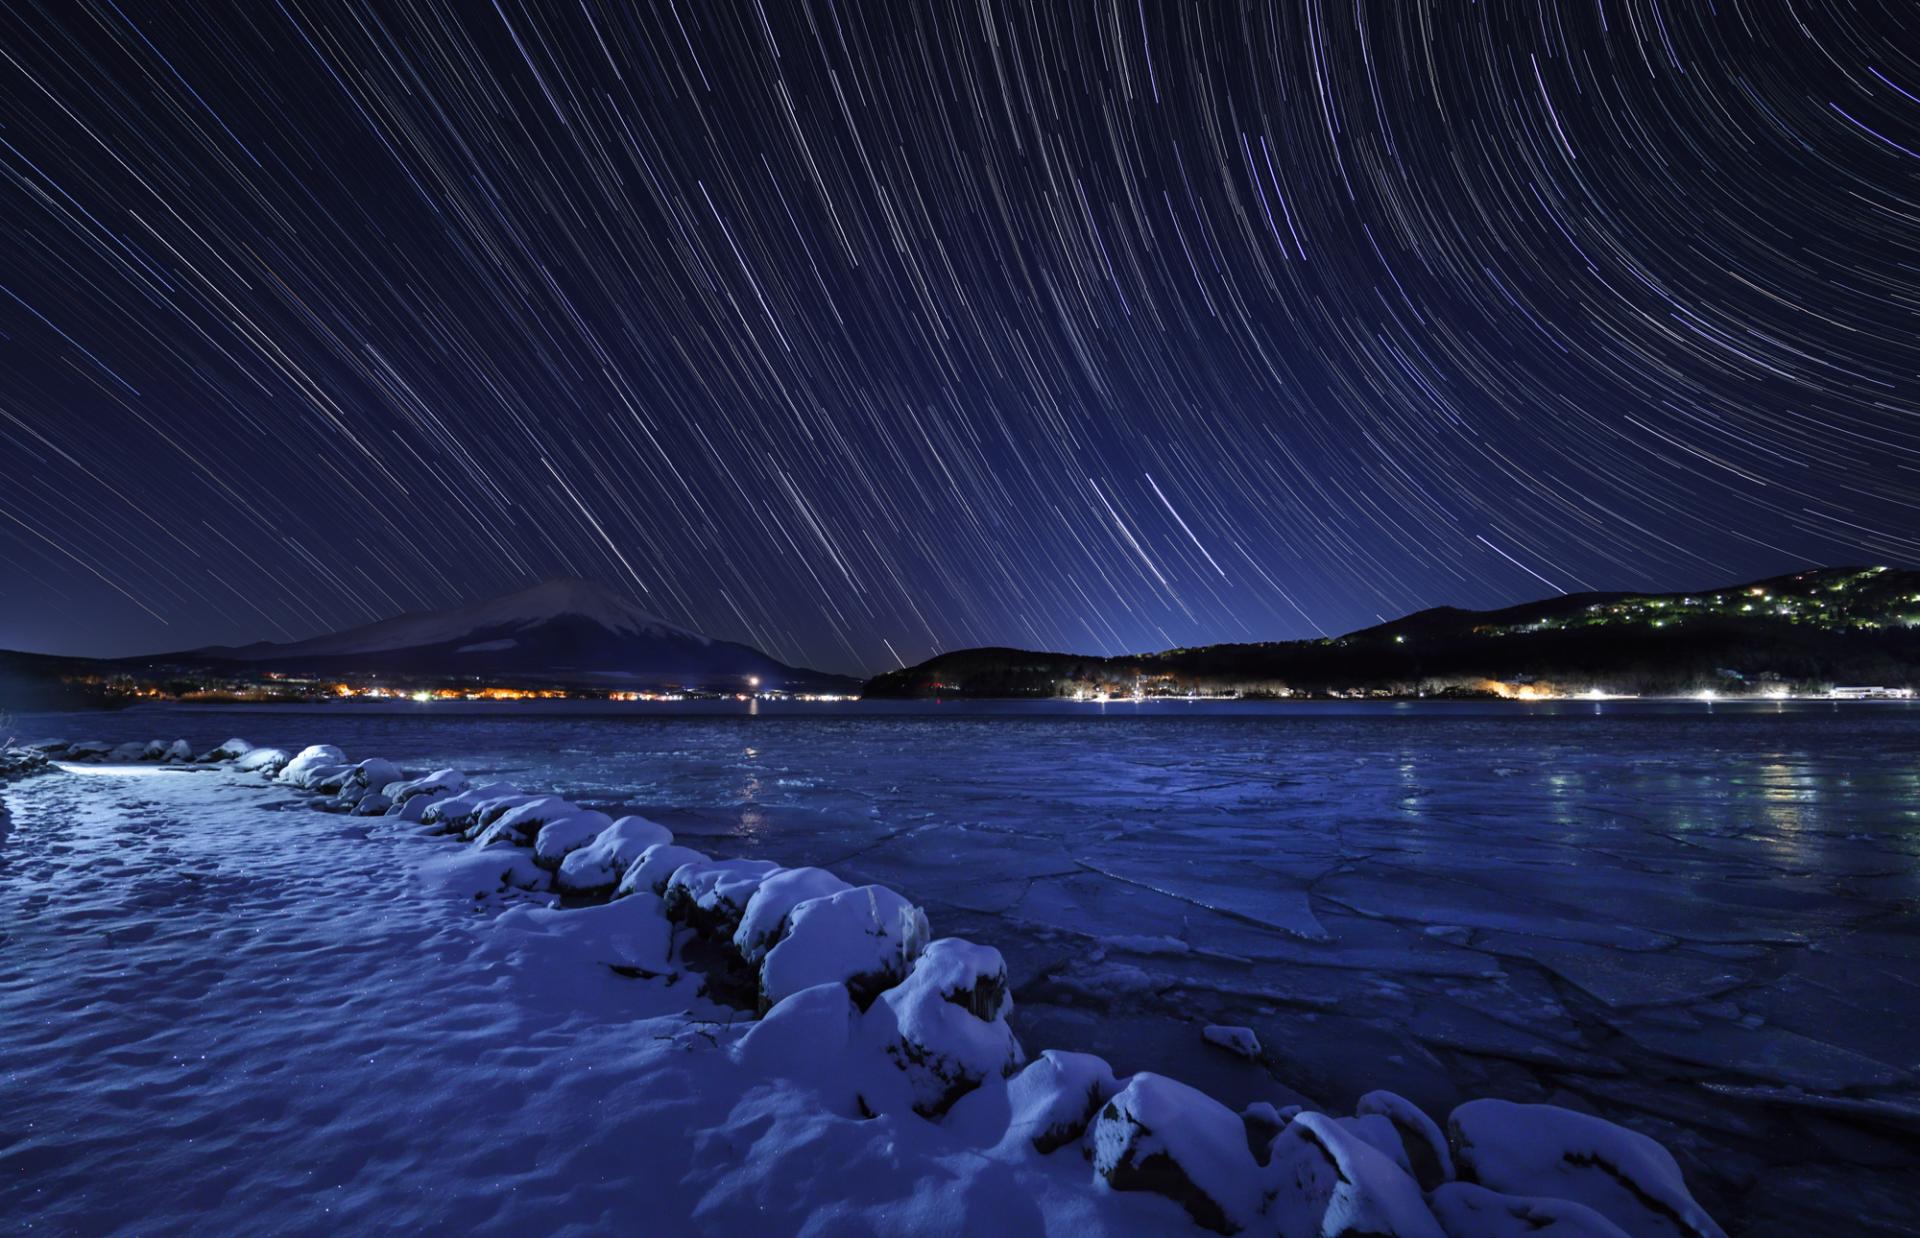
point(563, 631)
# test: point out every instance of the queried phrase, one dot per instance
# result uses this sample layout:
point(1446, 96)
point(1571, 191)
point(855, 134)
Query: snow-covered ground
point(1710, 943)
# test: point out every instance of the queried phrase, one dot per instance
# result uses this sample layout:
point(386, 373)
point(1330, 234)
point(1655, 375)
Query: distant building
point(1875, 693)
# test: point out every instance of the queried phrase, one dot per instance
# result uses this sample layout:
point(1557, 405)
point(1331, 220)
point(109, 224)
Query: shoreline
point(700, 898)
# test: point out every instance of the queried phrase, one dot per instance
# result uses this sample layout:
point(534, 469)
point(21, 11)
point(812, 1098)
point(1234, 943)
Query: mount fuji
point(562, 631)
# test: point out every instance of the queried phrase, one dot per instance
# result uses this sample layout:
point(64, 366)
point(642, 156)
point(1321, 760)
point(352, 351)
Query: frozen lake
point(1700, 921)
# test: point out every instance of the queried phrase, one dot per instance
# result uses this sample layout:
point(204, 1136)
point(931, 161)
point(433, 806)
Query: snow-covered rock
point(945, 1025)
point(454, 813)
point(764, 922)
point(597, 867)
point(269, 762)
point(1381, 1134)
point(306, 767)
point(1327, 1179)
point(1263, 1122)
point(328, 779)
point(1159, 1135)
point(350, 784)
point(19, 762)
point(375, 774)
point(1561, 1154)
point(232, 750)
point(562, 836)
point(1420, 1137)
point(1046, 1105)
point(88, 750)
point(1468, 1211)
point(1239, 1041)
point(710, 895)
point(519, 824)
point(649, 873)
point(132, 750)
point(372, 804)
point(866, 938)
point(50, 747)
point(442, 782)
point(179, 752)
point(414, 809)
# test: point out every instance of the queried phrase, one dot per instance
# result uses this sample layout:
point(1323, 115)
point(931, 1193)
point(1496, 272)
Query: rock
point(442, 782)
point(49, 747)
point(945, 1025)
point(156, 750)
point(1543, 1150)
point(1056, 1096)
point(415, 808)
point(519, 824)
point(455, 813)
point(1468, 1211)
point(597, 867)
point(232, 750)
point(329, 780)
point(132, 750)
point(372, 804)
point(374, 774)
point(268, 762)
point(88, 750)
point(764, 922)
point(1382, 1135)
point(711, 895)
point(179, 752)
point(1162, 1136)
point(561, 837)
point(1420, 1137)
point(1329, 1181)
point(310, 760)
point(19, 762)
point(1263, 1122)
point(866, 938)
point(649, 873)
point(1236, 1040)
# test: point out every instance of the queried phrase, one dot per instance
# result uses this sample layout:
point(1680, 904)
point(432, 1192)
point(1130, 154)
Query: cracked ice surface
point(1697, 923)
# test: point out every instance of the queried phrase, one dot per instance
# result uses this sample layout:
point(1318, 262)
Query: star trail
point(863, 331)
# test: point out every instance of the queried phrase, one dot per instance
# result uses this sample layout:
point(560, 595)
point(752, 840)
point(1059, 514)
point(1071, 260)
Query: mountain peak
point(570, 597)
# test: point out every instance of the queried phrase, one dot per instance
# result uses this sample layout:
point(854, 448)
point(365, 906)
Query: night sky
point(859, 331)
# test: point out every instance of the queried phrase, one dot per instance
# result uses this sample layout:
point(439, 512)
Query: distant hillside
point(37, 681)
point(1802, 632)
